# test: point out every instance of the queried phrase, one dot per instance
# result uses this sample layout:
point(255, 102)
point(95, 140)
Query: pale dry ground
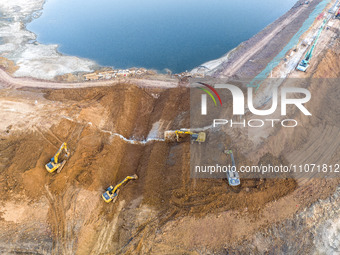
point(7, 81)
point(260, 45)
point(23, 111)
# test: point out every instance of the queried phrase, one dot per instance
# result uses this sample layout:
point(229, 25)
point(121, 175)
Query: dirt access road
point(236, 65)
point(7, 81)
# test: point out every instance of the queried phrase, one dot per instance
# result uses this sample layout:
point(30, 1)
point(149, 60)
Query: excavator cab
point(55, 163)
point(233, 177)
point(194, 137)
point(198, 137)
point(111, 192)
point(109, 196)
point(303, 66)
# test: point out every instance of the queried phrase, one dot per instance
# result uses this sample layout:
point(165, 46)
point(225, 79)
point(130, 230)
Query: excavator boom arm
point(62, 147)
point(127, 178)
point(184, 132)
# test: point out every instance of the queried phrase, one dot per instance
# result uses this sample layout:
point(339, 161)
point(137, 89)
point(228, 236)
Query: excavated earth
point(117, 130)
point(64, 212)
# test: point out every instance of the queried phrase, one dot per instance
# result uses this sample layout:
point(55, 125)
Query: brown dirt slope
point(100, 158)
point(158, 213)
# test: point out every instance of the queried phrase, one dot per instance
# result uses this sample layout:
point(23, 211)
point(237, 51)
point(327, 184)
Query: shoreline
point(252, 65)
point(21, 46)
point(46, 62)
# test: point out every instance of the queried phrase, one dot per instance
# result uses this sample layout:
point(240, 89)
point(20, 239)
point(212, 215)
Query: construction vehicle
point(56, 163)
point(232, 174)
point(337, 15)
point(111, 192)
point(304, 64)
point(176, 135)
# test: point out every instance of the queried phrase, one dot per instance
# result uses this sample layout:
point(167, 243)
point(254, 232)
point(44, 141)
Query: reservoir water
point(178, 35)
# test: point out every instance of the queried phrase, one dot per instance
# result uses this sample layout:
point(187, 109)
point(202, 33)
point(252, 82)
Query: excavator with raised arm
point(58, 161)
point(111, 192)
point(304, 64)
point(177, 135)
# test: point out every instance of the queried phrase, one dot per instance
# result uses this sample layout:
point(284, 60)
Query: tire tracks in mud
point(147, 229)
point(65, 235)
point(41, 133)
point(10, 82)
point(60, 204)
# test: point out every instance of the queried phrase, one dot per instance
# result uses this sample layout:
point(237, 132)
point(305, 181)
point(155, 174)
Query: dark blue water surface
point(174, 34)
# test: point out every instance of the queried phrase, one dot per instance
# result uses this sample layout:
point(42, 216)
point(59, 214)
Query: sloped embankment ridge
point(117, 130)
point(112, 132)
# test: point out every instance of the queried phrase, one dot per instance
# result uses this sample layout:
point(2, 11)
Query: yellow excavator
point(176, 135)
point(111, 192)
point(55, 163)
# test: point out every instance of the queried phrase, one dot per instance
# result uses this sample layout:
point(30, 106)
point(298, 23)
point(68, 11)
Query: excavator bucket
point(170, 136)
point(134, 177)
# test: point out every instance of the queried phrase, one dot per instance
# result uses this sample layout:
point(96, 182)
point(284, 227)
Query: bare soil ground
point(107, 126)
point(86, 119)
point(164, 211)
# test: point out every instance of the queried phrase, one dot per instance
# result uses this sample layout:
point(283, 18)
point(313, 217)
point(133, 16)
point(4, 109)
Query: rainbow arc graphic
point(209, 93)
point(204, 97)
